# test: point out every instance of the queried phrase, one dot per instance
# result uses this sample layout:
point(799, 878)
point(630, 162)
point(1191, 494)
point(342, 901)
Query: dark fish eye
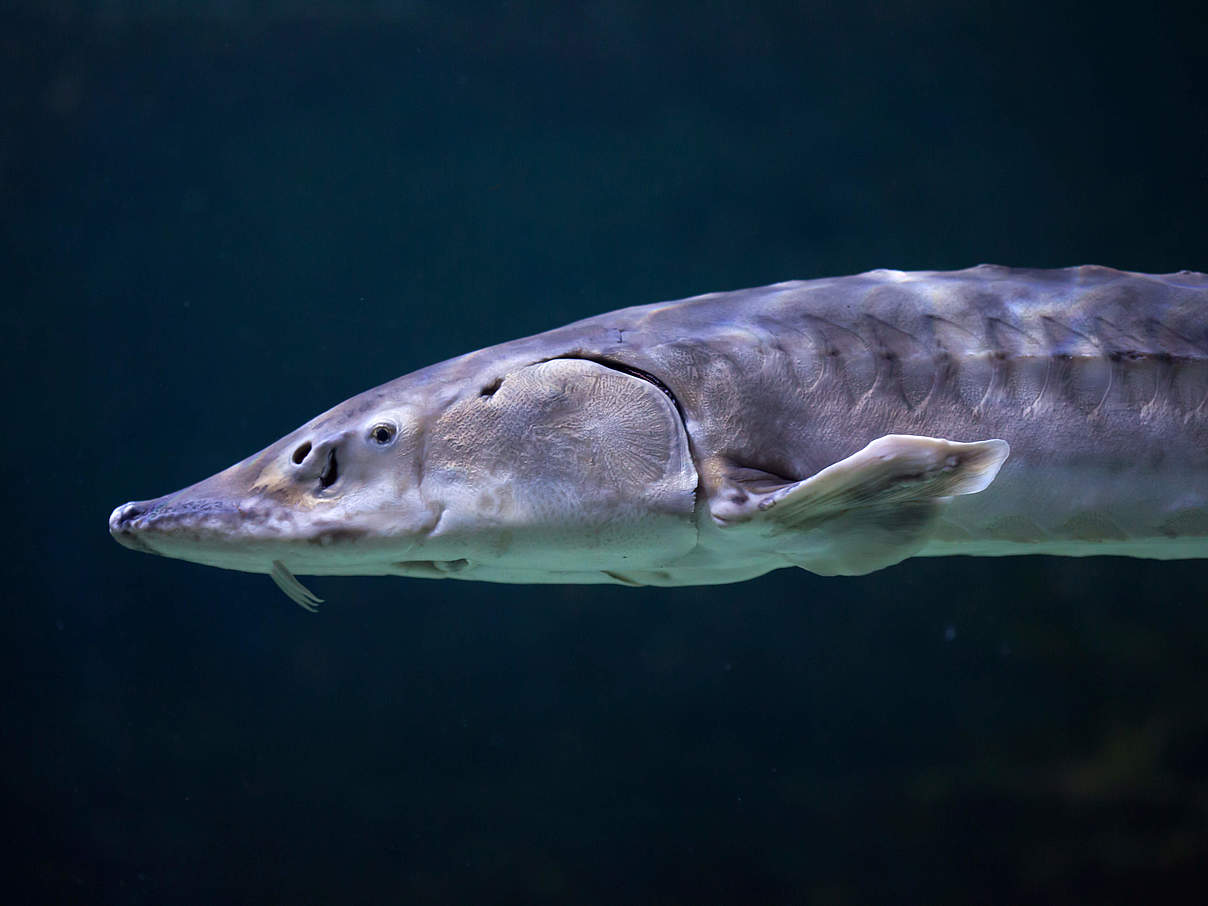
point(382, 434)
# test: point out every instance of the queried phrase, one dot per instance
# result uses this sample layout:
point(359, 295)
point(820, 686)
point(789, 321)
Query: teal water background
point(219, 222)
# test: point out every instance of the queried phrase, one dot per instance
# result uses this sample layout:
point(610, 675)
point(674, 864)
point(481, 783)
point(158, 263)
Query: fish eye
point(382, 433)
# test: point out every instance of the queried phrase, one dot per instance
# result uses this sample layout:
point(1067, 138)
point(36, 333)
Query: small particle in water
point(949, 633)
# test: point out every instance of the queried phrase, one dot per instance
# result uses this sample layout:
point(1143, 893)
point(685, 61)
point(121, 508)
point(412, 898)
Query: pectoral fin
point(872, 509)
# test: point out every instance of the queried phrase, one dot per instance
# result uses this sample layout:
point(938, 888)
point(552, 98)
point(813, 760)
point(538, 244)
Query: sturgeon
point(838, 425)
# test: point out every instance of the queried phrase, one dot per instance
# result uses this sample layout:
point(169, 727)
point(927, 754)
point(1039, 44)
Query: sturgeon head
point(483, 467)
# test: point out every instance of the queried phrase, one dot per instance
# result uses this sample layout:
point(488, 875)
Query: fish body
point(840, 425)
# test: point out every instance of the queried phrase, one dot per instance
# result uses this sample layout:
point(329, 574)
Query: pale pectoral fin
point(872, 509)
point(893, 470)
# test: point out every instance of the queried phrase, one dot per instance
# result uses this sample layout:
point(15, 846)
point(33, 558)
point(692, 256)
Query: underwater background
point(220, 219)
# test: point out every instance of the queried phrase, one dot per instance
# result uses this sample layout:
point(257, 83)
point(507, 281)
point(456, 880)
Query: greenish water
point(217, 225)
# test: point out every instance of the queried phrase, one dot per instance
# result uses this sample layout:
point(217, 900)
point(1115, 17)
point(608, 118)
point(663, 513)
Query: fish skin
point(1096, 378)
point(1084, 368)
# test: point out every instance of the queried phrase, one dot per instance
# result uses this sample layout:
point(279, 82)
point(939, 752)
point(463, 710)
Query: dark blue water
point(215, 226)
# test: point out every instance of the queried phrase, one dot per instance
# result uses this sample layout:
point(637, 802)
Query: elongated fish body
point(839, 425)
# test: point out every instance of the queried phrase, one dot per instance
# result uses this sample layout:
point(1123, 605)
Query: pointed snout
point(150, 525)
point(318, 498)
point(243, 517)
point(125, 523)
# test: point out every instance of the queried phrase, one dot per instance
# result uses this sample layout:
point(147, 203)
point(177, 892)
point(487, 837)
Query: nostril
point(301, 453)
point(331, 471)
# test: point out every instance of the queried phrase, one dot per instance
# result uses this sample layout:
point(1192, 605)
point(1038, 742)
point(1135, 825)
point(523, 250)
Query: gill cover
point(560, 464)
